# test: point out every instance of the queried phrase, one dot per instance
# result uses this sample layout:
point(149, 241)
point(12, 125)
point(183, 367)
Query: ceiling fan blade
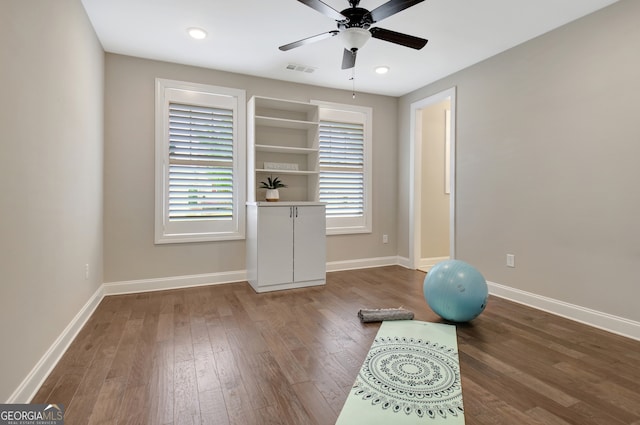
point(308, 40)
point(349, 58)
point(398, 38)
point(325, 9)
point(391, 8)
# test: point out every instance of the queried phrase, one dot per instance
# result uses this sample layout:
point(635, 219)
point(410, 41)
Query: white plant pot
point(272, 195)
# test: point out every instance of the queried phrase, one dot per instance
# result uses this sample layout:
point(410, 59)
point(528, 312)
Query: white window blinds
point(200, 163)
point(342, 168)
point(344, 151)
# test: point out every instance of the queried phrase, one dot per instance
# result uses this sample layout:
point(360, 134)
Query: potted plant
point(272, 184)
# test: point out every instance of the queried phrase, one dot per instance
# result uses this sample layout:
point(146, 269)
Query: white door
point(309, 255)
point(275, 245)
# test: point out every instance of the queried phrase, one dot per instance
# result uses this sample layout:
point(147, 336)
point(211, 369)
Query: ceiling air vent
point(300, 68)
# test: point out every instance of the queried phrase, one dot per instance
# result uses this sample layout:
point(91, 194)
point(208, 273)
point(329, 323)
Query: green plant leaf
point(272, 183)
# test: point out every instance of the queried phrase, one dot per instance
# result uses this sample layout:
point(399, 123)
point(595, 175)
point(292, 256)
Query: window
point(200, 157)
point(345, 172)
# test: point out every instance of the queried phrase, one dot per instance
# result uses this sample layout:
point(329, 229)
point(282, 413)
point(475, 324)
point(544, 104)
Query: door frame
point(415, 202)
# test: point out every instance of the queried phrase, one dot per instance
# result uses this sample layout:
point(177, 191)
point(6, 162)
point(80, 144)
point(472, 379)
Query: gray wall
point(547, 163)
point(51, 130)
point(129, 250)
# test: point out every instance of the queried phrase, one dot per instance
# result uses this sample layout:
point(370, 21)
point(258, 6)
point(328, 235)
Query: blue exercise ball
point(455, 291)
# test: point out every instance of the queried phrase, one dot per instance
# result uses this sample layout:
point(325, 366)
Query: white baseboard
point(361, 263)
point(405, 262)
point(34, 380)
point(177, 282)
point(426, 263)
point(174, 282)
point(597, 319)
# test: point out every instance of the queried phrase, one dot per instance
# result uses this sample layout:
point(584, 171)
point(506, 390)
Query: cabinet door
point(275, 245)
point(309, 255)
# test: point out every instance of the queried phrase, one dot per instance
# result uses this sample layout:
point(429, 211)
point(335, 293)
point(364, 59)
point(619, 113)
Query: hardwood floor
point(226, 355)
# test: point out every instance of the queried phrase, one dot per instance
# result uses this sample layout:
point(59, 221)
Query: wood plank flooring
point(226, 355)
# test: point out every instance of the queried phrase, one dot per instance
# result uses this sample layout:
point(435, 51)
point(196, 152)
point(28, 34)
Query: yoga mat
point(411, 375)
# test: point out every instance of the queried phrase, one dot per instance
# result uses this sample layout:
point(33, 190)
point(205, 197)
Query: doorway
point(432, 196)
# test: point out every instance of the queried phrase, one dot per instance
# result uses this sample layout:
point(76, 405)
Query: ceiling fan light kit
point(354, 38)
point(354, 27)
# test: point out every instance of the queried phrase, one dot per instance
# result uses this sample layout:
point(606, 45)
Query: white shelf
point(286, 204)
point(285, 123)
point(285, 105)
point(283, 131)
point(294, 172)
point(284, 149)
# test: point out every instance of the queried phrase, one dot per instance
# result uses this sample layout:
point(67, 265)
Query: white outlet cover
point(511, 260)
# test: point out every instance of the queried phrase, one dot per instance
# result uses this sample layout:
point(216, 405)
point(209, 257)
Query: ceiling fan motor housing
point(357, 17)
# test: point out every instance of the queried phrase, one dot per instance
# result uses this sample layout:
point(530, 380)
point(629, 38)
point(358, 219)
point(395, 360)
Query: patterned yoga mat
point(411, 375)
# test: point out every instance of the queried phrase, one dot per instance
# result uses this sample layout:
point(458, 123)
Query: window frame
point(203, 230)
point(337, 112)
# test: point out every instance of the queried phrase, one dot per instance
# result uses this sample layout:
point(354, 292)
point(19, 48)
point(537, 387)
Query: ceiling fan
point(354, 27)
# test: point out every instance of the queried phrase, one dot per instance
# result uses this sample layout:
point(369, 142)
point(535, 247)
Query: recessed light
point(197, 33)
point(382, 69)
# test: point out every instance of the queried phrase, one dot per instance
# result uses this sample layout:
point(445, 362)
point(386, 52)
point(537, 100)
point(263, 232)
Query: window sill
point(347, 230)
point(185, 238)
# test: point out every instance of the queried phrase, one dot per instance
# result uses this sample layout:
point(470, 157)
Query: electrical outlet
point(86, 271)
point(385, 238)
point(511, 260)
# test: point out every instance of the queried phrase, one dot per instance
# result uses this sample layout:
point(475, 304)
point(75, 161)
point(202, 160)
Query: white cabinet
point(285, 245)
point(282, 141)
point(285, 240)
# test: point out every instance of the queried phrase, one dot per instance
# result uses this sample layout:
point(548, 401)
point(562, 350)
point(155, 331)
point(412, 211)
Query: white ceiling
point(244, 36)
